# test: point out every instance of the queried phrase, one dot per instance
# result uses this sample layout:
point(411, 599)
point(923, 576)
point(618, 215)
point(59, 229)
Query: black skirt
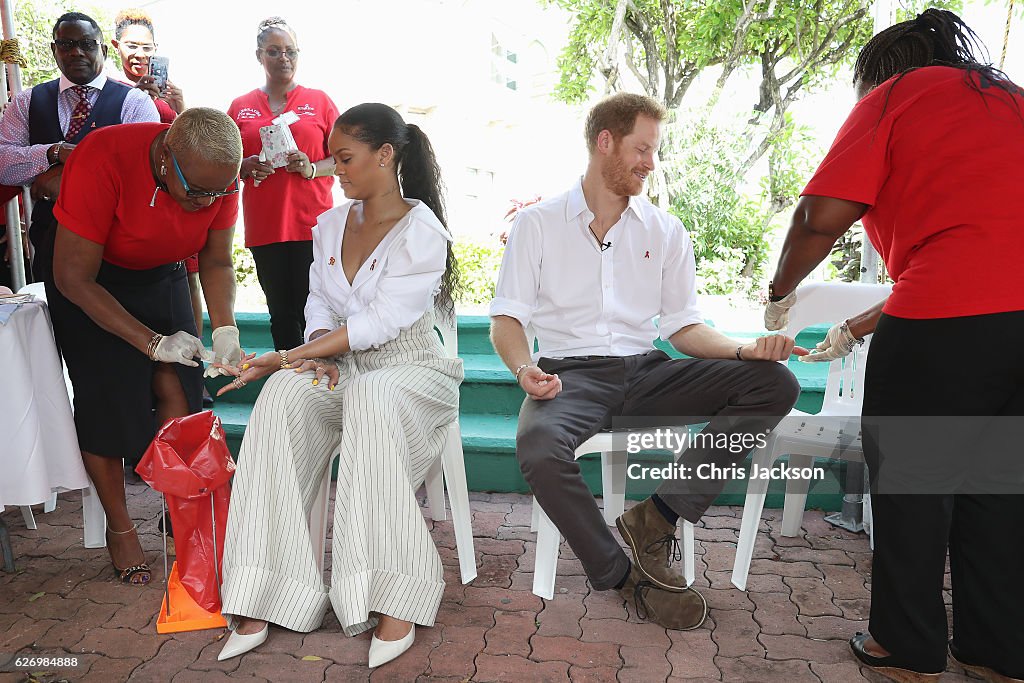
point(113, 381)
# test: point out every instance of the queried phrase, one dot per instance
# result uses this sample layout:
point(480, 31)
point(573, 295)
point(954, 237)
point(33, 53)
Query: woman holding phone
point(135, 45)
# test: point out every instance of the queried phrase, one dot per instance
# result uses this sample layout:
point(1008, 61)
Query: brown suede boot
point(679, 610)
point(654, 544)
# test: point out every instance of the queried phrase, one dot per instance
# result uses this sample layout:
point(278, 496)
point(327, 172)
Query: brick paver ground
point(806, 596)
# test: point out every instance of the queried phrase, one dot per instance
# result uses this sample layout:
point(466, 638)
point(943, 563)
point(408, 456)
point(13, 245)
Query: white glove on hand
point(776, 313)
point(180, 347)
point(226, 350)
point(838, 342)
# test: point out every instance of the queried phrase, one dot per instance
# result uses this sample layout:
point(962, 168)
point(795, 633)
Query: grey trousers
point(736, 396)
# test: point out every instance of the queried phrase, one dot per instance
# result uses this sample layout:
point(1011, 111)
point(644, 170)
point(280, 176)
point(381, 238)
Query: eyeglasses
point(274, 53)
point(85, 44)
point(144, 48)
point(198, 194)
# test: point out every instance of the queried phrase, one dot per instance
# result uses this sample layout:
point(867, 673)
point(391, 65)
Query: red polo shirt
point(285, 206)
point(938, 164)
point(105, 194)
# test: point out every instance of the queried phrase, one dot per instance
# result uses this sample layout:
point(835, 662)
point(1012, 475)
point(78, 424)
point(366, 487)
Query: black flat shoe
point(893, 667)
point(987, 673)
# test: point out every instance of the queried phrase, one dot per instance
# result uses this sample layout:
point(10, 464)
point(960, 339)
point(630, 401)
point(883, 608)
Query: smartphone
point(158, 70)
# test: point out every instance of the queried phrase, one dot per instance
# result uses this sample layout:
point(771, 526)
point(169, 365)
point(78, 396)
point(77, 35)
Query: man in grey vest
point(42, 124)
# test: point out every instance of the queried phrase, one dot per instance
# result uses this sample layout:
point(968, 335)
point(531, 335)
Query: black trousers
point(926, 368)
point(42, 233)
point(283, 271)
point(742, 396)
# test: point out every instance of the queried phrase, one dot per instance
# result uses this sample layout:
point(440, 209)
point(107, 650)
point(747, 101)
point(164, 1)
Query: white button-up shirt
point(580, 300)
point(392, 289)
point(21, 162)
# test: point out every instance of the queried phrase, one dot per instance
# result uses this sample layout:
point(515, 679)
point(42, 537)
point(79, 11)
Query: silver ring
point(238, 382)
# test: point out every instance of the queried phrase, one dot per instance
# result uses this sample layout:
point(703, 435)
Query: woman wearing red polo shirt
point(135, 42)
point(136, 200)
point(929, 160)
point(281, 205)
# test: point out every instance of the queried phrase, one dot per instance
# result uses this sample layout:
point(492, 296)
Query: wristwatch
point(53, 153)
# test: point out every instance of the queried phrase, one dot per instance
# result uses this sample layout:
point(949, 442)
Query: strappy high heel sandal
point(127, 574)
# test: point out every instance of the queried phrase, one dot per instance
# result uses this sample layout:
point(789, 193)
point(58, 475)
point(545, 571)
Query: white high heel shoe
point(383, 651)
point(240, 643)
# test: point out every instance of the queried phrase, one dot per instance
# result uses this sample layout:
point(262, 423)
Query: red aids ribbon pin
point(331, 261)
point(647, 254)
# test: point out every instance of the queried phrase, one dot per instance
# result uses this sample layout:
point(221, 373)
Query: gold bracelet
point(284, 359)
point(153, 343)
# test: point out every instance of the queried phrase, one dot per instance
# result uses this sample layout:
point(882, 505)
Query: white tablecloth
point(38, 446)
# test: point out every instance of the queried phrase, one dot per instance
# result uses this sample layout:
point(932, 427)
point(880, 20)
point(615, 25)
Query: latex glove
point(226, 350)
point(776, 313)
point(838, 342)
point(180, 347)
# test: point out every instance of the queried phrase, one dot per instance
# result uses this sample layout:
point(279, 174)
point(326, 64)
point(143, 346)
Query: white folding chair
point(832, 432)
point(449, 469)
point(613, 484)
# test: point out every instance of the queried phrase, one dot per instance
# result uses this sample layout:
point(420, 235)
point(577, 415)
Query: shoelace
point(671, 545)
point(640, 599)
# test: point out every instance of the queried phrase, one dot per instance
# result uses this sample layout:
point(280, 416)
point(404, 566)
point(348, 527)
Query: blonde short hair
point(208, 134)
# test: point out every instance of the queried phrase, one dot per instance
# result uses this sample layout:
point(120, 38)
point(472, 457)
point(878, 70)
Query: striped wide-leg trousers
point(388, 415)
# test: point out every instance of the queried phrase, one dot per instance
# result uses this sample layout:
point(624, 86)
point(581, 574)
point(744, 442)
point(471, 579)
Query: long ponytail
point(420, 177)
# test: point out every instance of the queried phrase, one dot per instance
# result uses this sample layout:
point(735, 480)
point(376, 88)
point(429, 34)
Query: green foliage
point(707, 197)
point(728, 219)
point(715, 182)
point(478, 264)
point(845, 263)
point(245, 266)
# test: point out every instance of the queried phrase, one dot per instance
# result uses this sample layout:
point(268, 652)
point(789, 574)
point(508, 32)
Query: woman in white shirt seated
point(373, 379)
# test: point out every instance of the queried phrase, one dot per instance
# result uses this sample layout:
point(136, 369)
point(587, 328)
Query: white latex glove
point(838, 342)
point(180, 347)
point(776, 313)
point(226, 350)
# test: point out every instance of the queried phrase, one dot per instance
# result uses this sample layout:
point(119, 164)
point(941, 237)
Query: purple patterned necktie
point(81, 112)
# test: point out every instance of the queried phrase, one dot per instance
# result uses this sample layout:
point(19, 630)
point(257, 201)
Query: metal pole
point(167, 577)
point(13, 218)
point(851, 516)
point(216, 567)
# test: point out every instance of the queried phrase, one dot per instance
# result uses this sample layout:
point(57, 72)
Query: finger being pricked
point(774, 347)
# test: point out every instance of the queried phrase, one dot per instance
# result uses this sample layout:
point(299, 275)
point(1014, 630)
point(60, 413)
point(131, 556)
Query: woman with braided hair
point(927, 160)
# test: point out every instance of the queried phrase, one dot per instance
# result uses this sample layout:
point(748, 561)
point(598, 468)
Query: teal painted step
point(490, 400)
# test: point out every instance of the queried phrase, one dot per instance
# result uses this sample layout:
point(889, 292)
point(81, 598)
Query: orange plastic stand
point(185, 614)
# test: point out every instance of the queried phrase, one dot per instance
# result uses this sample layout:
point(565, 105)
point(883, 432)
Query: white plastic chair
point(613, 484)
point(449, 469)
point(809, 437)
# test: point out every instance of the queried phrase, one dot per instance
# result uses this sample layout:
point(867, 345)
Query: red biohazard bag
point(188, 461)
